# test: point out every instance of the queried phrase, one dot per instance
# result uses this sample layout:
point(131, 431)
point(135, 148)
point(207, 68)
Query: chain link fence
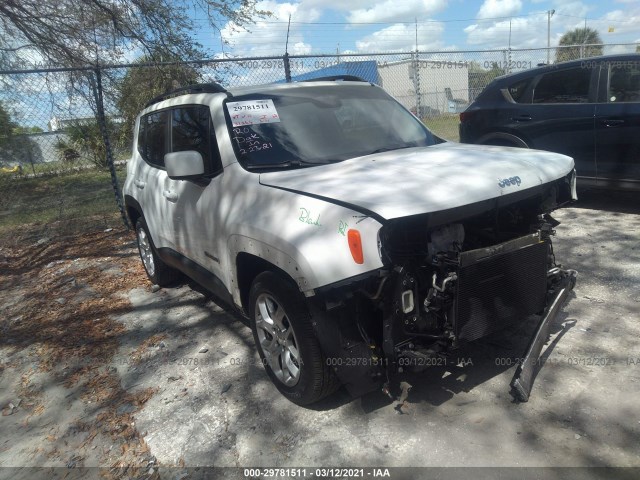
point(57, 170)
point(65, 134)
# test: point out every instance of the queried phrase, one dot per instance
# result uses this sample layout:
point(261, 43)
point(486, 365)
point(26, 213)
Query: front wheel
point(286, 343)
point(157, 271)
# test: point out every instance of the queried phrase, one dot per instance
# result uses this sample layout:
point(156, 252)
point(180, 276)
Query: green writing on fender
point(305, 217)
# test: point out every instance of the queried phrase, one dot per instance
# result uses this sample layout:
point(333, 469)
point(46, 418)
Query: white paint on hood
point(425, 179)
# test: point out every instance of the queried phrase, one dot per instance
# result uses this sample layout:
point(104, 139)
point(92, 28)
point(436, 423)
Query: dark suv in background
point(588, 109)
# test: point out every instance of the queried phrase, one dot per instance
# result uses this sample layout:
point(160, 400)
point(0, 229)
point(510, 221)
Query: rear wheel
point(286, 343)
point(157, 271)
point(502, 143)
point(510, 141)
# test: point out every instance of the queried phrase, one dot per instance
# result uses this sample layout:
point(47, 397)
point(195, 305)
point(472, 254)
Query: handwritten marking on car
point(509, 182)
point(342, 228)
point(305, 217)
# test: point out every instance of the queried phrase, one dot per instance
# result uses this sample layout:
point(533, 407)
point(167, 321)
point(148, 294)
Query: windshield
point(318, 125)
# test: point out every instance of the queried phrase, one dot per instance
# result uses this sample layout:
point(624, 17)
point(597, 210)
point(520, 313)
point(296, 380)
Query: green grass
point(60, 204)
point(58, 167)
point(445, 126)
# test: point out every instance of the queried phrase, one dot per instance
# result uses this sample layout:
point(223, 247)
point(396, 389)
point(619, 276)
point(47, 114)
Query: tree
point(65, 151)
point(6, 126)
point(487, 74)
point(86, 141)
point(579, 43)
point(20, 130)
point(140, 84)
point(480, 77)
point(81, 32)
point(15, 146)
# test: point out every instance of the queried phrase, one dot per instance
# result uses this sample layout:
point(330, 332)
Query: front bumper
point(527, 369)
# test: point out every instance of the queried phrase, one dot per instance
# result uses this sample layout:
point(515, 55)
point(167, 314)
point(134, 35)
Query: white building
point(57, 124)
point(432, 86)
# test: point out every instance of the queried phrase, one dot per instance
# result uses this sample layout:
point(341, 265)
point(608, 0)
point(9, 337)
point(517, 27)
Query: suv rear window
point(565, 86)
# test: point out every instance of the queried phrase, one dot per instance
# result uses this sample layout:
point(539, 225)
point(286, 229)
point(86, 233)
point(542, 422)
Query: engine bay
point(446, 283)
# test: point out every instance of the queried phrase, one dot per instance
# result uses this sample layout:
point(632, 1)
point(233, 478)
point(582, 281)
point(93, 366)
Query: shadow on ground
point(214, 405)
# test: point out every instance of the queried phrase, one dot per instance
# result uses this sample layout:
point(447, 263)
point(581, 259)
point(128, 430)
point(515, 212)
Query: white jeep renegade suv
point(357, 243)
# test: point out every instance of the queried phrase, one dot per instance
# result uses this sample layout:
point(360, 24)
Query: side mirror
point(184, 165)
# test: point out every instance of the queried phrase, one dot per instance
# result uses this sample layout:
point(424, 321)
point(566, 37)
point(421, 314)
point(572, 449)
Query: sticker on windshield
point(252, 112)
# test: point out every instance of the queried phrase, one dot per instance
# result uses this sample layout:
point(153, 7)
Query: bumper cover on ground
point(522, 381)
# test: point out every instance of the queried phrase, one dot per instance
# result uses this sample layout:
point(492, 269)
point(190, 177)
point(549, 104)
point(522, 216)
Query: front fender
point(307, 238)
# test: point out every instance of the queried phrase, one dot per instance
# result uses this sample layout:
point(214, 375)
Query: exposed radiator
point(500, 285)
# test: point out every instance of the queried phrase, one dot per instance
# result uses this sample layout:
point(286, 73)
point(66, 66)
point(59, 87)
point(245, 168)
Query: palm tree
point(579, 43)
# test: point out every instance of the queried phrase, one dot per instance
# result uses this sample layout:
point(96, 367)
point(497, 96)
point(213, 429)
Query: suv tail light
point(465, 116)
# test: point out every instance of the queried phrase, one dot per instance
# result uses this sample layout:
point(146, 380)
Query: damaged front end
point(450, 277)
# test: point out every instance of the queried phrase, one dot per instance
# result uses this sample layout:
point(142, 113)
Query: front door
point(561, 116)
point(618, 123)
point(192, 204)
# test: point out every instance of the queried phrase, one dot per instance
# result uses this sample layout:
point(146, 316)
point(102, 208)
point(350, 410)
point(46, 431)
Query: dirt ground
point(97, 368)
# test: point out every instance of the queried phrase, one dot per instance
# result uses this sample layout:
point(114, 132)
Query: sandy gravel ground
point(97, 368)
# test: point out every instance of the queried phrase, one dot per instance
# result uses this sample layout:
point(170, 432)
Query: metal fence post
point(102, 122)
point(287, 67)
point(30, 155)
point(417, 86)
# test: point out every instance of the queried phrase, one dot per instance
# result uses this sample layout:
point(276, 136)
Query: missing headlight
point(407, 301)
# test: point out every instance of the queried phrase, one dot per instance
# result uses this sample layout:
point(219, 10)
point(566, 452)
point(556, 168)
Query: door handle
point(139, 183)
point(169, 195)
point(612, 122)
point(521, 118)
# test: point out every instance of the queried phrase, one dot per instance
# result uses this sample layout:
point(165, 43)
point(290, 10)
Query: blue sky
point(354, 26)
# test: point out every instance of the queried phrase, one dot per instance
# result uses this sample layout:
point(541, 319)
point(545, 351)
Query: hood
point(425, 179)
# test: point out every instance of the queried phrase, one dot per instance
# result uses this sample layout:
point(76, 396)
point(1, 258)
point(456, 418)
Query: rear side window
point(565, 86)
point(517, 90)
point(141, 135)
point(155, 131)
point(191, 129)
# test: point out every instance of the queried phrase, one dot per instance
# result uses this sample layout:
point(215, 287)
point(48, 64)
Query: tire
point(502, 143)
point(285, 340)
point(158, 272)
point(505, 142)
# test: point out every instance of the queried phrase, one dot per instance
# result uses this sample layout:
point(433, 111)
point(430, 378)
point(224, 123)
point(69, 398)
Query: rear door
point(561, 115)
point(150, 176)
point(618, 123)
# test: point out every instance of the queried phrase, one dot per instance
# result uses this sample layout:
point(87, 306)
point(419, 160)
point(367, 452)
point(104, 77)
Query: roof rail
point(198, 88)
point(333, 78)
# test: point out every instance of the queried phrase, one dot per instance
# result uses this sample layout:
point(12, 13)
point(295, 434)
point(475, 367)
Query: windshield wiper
point(389, 149)
point(290, 163)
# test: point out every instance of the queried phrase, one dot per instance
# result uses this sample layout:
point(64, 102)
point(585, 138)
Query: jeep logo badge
point(508, 182)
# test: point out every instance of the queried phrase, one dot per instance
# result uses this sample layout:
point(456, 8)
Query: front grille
point(500, 286)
